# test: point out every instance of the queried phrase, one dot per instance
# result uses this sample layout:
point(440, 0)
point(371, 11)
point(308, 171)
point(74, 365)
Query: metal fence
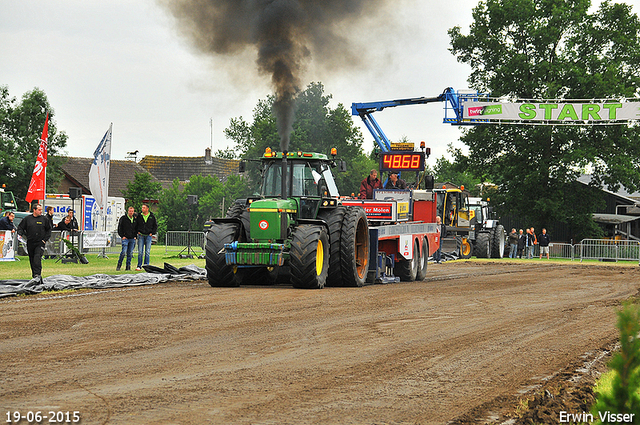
point(593, 249)
point(185, 243)
point(611, 250)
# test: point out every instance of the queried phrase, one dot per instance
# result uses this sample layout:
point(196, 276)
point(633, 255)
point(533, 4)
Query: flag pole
point(103, 207)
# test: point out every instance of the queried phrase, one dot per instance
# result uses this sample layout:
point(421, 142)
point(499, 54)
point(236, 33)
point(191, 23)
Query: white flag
point(99, 172)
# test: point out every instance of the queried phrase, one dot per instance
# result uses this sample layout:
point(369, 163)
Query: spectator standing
point(437, 256)
point(6, 222)
point(146, 226)
point(395, 182)
point(36, 230)
point(522, 243)
point(49, 216)
point(368, 185)
point(128, 232)
point(73, 223)
point(65, 224)
point(529, 245)
point(544, 241)
point(534, 242)
point(513, 243)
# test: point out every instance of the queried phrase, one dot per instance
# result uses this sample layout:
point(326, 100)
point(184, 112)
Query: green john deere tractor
point(302, 235)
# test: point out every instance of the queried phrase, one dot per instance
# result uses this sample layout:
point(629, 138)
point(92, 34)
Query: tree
point(176, 214)
point(552, 49)
point(21, 124)
point(316, 128)
point(447, 171)
point(141, 188)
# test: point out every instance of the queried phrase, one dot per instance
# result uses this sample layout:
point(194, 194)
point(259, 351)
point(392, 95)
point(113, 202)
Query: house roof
point(613, 218)
point(631, 197)
point(121, 172)
point(168, 168)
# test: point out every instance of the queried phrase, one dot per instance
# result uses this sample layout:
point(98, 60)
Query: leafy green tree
point(21, 124)
point(141, 188)
point(178, 215)
point(624, 396)
point(552, 49)
point(316, 128)
point(447, 171)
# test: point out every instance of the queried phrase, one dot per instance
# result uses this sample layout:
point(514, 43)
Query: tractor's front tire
point(483, 245)
point(309, 257)
point(354, 247)
point(218, 272)
point(498, 237)
point(466, 248)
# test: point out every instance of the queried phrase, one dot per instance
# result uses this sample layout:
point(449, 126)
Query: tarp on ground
point(60, 282)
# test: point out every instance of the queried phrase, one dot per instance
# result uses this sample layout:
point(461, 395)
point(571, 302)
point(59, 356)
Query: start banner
point(538, 113)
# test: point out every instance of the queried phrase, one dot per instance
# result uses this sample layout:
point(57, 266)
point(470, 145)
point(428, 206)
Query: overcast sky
point(123, 62)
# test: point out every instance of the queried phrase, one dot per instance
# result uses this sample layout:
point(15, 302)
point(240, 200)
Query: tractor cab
point(453, 207)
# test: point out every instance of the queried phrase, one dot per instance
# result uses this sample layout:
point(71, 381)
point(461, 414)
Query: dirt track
point(423, 352)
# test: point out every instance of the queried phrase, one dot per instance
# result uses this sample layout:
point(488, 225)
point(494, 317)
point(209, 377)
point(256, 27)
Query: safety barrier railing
point(609, 250)
point(560, 250)
point(592, 249)
point(181, 241)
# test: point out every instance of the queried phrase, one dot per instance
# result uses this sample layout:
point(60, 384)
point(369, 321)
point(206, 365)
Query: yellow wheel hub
point(319, 258)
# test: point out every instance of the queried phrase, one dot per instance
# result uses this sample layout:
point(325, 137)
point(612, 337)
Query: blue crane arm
point(365, 111)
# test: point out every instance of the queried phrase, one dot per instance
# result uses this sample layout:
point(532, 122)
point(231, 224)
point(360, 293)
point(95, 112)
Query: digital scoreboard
point(402, 161)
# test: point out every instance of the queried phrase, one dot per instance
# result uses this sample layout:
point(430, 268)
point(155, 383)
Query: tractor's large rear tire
point(218, 272)
point(498, 237)
point(424, 257)
point(354, 247)
point(239, 210)
point(483, 245)
point(407, 270)
point(309, 257)
point(334, 219)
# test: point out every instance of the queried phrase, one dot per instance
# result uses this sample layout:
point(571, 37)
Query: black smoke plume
point(285, 34)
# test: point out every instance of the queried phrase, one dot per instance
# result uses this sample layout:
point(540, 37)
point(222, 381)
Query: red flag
point(38, 179)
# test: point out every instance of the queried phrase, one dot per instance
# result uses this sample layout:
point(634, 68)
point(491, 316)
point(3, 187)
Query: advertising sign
point(376, 210)
point(7, 250)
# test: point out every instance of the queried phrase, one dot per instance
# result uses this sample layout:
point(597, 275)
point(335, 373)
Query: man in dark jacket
point(543, 241)
point(395, 182)
point(522, 243)
point(36, 229)
point(127, 229)
point(65, 224)
point(6, 222)
point(73, 222)
point(513, 243)
point(146, 226)
point(369, 184)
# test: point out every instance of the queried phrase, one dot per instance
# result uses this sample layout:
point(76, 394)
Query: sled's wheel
point(407, 270)
point(422, 264)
